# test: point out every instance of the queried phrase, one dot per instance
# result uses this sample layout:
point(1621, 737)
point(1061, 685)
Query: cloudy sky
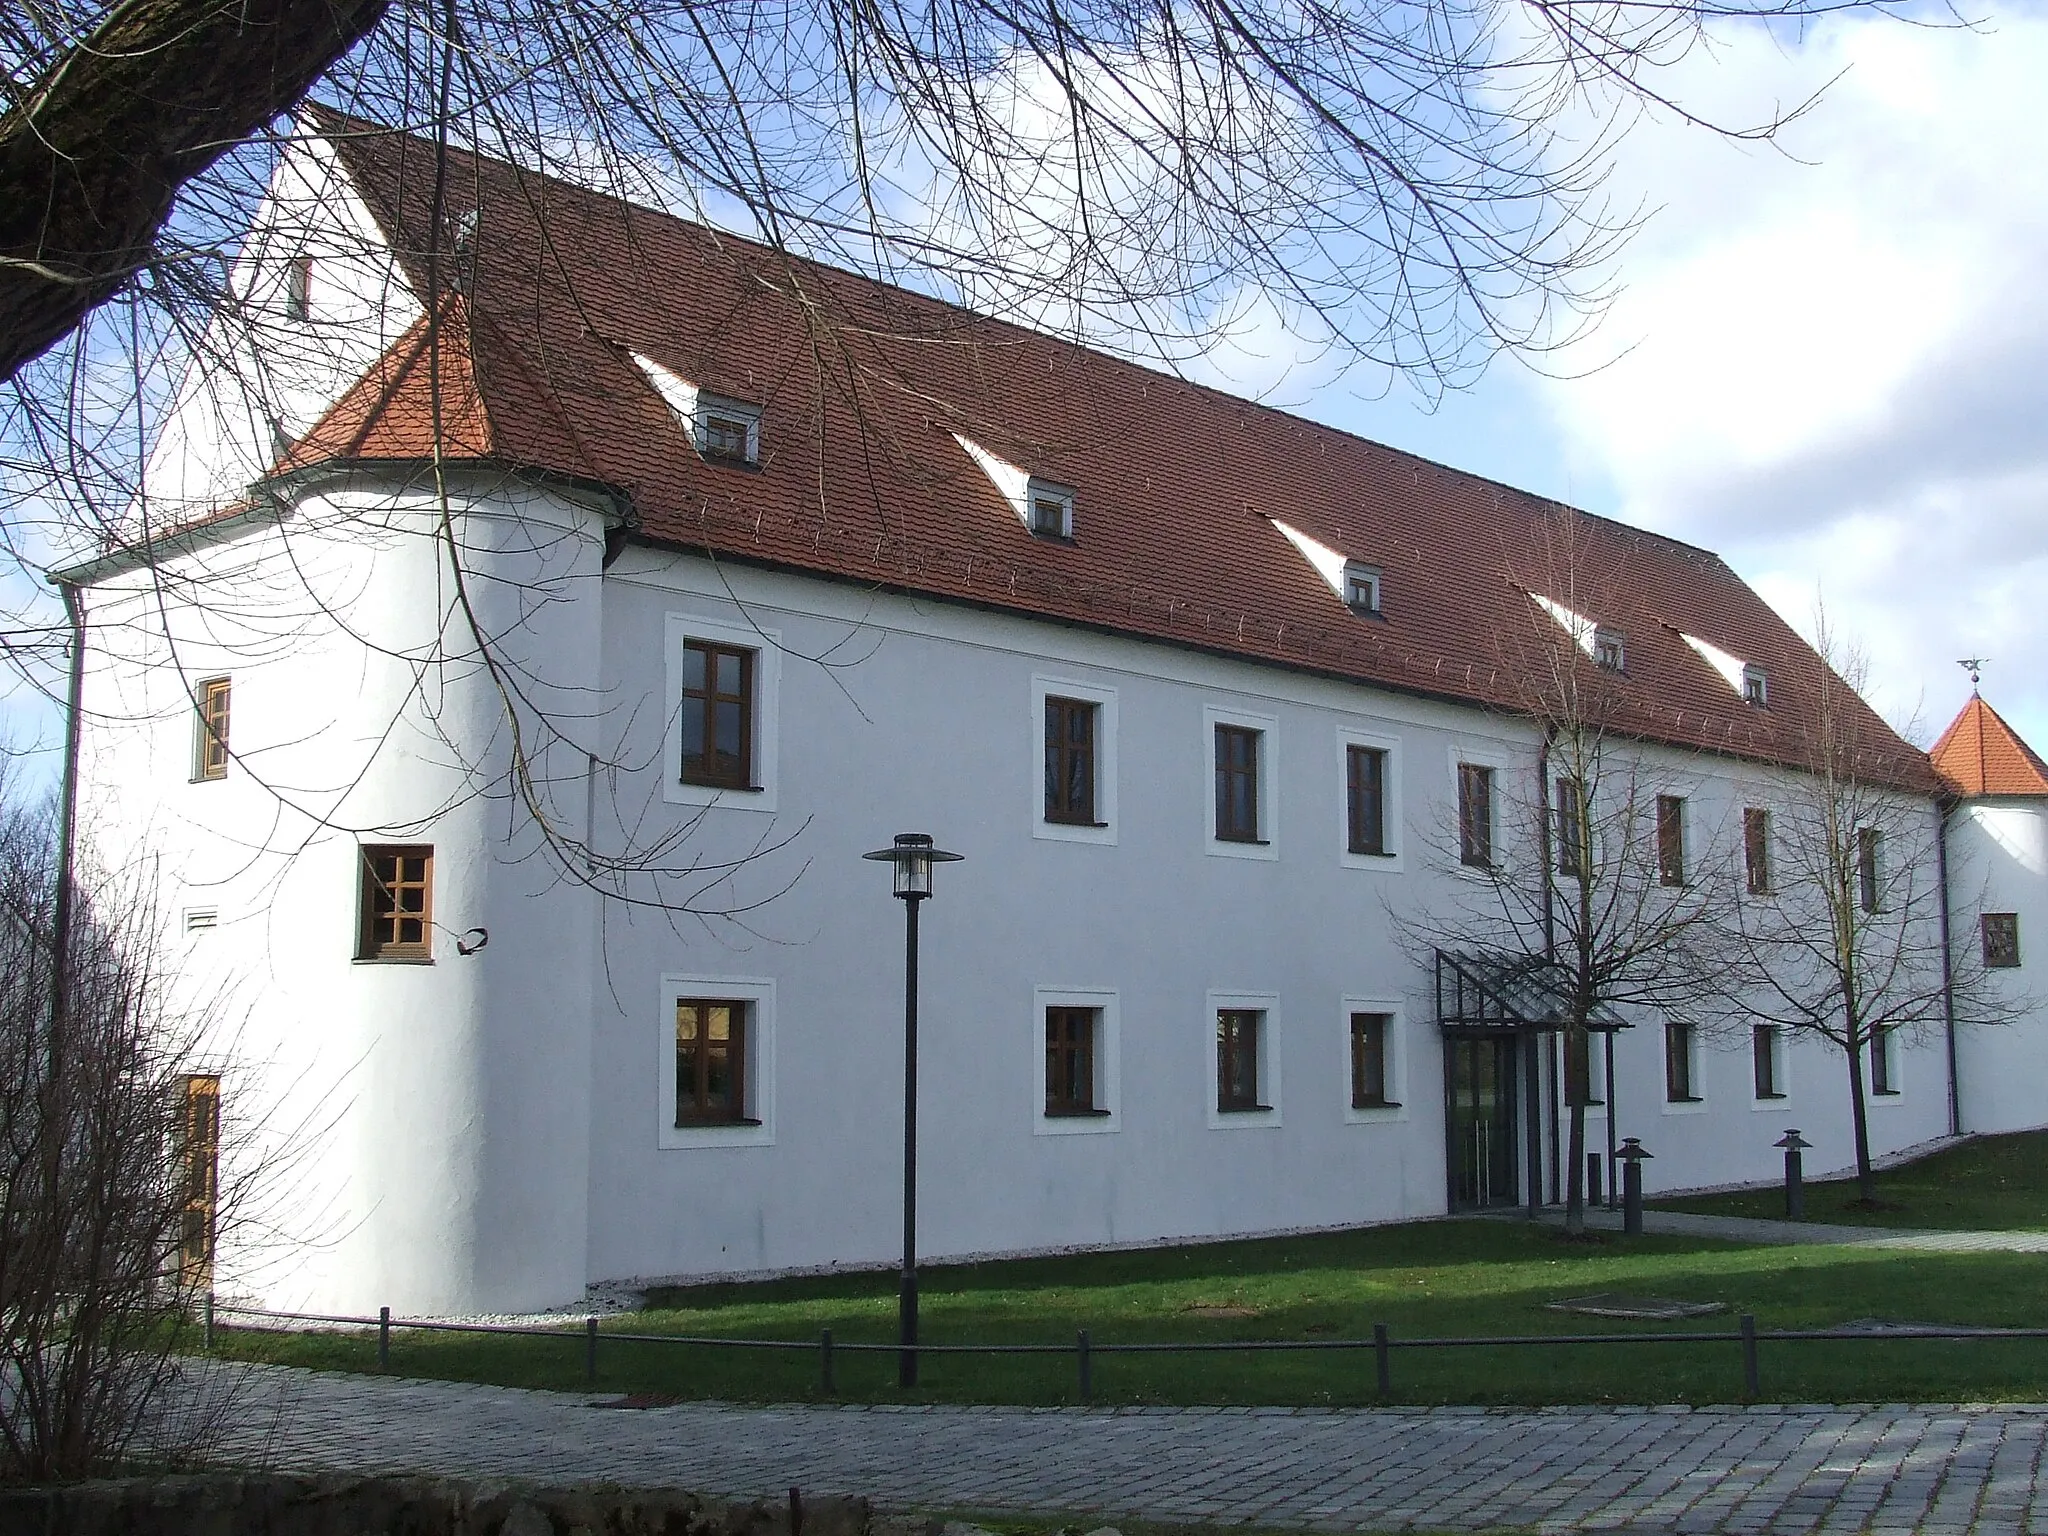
point(1830, 363)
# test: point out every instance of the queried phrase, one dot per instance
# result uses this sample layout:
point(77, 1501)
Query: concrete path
point(1930, 1470)
point(1743, 1229)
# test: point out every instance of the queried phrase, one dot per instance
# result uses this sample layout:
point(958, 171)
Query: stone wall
point(277, 1504)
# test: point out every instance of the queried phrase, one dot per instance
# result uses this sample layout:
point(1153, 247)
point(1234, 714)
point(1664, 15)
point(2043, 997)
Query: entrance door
point(1479, 1081)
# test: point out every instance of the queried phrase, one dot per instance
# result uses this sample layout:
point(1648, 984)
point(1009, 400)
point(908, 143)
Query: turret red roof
point(1979, 754)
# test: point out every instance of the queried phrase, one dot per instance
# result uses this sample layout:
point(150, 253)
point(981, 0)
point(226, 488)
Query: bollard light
point(1631, 1158)
point(1795, 1182)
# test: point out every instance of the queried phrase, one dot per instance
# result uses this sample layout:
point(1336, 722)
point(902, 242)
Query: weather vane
point(1973, 665)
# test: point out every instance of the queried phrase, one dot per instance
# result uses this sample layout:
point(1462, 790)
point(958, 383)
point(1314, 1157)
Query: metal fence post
point(796, 1512)
point(590, 1349)
point(1085, 1364)
point(383, 1338)
point(825, 1381)
point(1383, 1360)
point(209, 1322)
point(1752, 1388)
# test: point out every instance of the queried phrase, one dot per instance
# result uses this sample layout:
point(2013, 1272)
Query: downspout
point(1550, 954)
point(1943, 806)
point(67, 822)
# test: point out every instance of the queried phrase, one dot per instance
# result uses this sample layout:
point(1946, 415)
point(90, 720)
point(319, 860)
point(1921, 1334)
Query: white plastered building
point(565, 648)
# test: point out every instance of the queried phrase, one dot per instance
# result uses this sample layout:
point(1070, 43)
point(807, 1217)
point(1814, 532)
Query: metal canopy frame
point(1492, 992)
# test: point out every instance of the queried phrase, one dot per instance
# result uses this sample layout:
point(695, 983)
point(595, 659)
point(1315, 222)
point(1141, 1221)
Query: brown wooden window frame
point(1073, 1052)
point(1671, 840)
point(1678, 1063)
point(1570, 823)
point(727, 431)
point(1365, 800)
point(212, 704)
point(1756, 850)
point(1999, 934)
point(1883, 1082)
point(1475, 815)
point(1071, 760)
point(1371, 1034)
point(1765, 1068)
point(1870, 869)
point(697, 1107)
point(1239, 749)
point(698, 768)
point(199, 1178)
point(1240, 1035)
point(380, 904)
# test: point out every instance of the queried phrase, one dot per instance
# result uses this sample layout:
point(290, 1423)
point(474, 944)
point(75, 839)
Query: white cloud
point(1831, 364)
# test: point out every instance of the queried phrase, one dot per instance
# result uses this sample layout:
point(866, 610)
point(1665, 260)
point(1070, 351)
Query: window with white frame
point(1362, 588)
point(1073, 751)
point(1050, 510)
point(1244, 1059)
point(1681, 1064)
point(1369, 770)
point(1767, 1061)
point(1373, 1058)
point(1242, 764)
point(724, 681)
point(1075, 1074)
point(715, 1060)
point(1884, 1063)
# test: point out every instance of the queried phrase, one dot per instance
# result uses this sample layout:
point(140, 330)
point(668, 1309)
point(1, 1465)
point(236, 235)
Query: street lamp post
point(913, 855)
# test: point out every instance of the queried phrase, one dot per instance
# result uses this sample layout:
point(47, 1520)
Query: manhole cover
point(640, 1400)
point(1650, 1308)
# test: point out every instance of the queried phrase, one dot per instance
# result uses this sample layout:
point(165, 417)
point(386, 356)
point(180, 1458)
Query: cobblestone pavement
point(1938, 1470)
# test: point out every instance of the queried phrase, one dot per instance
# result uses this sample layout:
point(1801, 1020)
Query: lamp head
point(913, 855)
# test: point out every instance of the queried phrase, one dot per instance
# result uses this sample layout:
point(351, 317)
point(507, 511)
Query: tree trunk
point(1866, 1180)
point(95, 152)
point(1577, 1074)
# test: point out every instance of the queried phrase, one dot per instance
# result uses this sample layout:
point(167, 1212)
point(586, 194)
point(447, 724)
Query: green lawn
point(1990, 1183)
point(1428, 1279)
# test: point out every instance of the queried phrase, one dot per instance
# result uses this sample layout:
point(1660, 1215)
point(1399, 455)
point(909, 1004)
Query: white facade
point(492, 1131)
point(494, 1124)
point(1998, 850)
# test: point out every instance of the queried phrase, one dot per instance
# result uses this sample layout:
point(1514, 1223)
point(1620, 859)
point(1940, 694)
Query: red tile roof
point(1979, 754)
point(862, 387)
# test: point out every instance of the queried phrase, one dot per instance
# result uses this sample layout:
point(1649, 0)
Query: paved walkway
point(1930, 1470)
point(1745, 1229)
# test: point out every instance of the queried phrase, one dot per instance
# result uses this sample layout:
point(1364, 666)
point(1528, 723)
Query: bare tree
point(1602, 878)
point(110, 1197)
point(1839, 935)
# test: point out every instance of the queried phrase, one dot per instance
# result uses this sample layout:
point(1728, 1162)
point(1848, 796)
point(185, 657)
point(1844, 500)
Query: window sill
point(1377, 1104)
point(714, 1125)
point(737, 789)
point(1369, 853)
point(1077, 1114)
point(1244, 1109)
point(1242, 842)
point(1884, 1093)
point(1769, 1098)
point(1687, 1098)
point(392, 960)
point(1075, 821)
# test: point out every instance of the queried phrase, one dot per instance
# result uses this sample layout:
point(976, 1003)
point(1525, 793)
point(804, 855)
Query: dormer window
point(1755, 687)
point(1362, 587)
point(1051, 513)
point(1608, 652)
point(728, 429)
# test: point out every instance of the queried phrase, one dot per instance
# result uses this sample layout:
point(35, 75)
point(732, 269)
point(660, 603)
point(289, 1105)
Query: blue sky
point(1830, 361)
